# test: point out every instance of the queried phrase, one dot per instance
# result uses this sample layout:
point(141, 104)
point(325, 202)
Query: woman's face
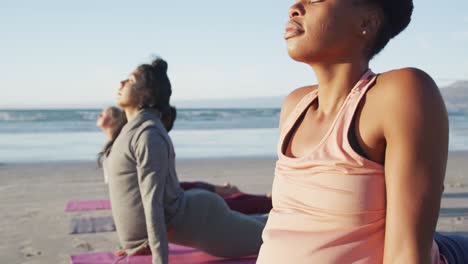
point(127, 95)
point(105, 119)
point(322, 30)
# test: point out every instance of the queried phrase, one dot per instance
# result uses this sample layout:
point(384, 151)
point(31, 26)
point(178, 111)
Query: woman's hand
point(141, 252)
point(226, 190)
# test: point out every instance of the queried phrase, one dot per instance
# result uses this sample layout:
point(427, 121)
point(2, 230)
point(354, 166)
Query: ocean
point(71, 134)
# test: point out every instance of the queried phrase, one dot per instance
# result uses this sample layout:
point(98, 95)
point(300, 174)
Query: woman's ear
point(371, 20)
point(146, 98)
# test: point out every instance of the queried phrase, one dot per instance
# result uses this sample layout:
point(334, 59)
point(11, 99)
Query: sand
point(34, 227)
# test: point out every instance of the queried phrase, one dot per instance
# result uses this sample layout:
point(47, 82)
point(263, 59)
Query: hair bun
point(159, 65)
point(398, 14)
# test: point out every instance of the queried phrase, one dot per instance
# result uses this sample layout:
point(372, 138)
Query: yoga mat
point(92, 225)
point(178, 255)
point(87, 205)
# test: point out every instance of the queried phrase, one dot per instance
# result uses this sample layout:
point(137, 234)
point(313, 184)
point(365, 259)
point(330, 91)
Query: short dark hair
point(396, 17)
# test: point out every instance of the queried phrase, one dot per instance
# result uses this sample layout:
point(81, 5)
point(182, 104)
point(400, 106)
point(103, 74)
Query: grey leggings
point(453, 247)
point(208, 224)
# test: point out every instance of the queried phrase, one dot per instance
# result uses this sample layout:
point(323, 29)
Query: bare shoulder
point(407, 84)
point(409, 94)
point(293, 99)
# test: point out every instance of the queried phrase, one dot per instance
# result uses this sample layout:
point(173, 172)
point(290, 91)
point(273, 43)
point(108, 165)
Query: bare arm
point(415, 127)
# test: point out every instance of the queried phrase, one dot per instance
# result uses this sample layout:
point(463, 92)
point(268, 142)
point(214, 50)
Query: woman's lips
point(293, 29)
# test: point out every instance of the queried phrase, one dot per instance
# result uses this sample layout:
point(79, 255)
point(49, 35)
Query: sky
point(74, 53)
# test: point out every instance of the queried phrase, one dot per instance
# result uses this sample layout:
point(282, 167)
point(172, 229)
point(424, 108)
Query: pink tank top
point(328, 206)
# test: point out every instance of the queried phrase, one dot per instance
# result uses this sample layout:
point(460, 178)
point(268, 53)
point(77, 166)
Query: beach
point(35, 228)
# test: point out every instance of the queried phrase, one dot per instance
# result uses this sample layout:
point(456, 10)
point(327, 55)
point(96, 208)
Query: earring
point(364, 32)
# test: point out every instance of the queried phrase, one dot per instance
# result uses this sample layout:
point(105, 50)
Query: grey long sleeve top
point(144, 190)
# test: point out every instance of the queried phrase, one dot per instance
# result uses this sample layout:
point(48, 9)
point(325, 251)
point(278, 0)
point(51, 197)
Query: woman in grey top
point(148, 205)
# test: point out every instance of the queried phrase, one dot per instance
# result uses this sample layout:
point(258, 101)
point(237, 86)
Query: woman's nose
point(296, 10)
point(122, 83)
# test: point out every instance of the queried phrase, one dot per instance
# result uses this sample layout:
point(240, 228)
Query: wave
point(92, 114)
point(14, 116)
point(88, 115)
point(225, 114)
point(48, 115)
point(457, 112)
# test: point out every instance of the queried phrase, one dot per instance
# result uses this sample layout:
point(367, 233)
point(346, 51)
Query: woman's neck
point(108, 132)
point(335, 82)
point(131, 112)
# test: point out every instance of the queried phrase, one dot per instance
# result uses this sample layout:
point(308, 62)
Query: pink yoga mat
point(87, 205)
point(178, 255)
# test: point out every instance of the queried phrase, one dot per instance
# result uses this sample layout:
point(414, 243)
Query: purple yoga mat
point(178, 255)
point(87, 205)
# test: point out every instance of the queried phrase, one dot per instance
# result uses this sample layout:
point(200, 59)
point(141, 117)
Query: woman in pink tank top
point(362, 156)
